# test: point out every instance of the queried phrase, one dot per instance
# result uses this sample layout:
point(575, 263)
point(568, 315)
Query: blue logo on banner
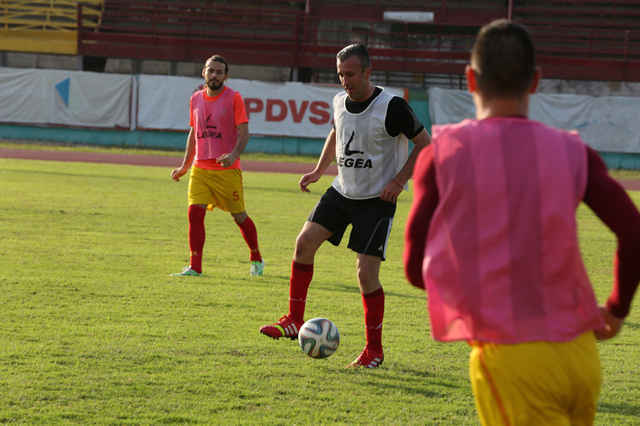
point(63, 90)
point(68, 98)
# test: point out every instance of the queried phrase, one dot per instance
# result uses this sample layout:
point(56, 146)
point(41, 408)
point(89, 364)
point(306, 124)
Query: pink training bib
point(502, 262)
point(214, 124)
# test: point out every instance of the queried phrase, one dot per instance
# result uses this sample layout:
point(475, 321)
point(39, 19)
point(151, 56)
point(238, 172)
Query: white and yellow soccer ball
point(319, 338)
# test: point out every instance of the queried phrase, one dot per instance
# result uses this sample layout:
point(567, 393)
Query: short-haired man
point(219, 133)
point(492, 238)
point(369, 142)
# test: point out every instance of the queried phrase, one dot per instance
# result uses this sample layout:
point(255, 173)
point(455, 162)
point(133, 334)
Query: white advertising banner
point(70, 98)
point(274, 109)
point(605, 123)
point(163, 102)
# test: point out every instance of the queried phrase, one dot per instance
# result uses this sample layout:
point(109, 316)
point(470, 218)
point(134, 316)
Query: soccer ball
point(319, 338)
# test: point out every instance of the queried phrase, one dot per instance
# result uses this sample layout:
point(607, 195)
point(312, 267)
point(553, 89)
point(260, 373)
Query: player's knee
point(368, 279)
point(304, 245)
point(239, 218)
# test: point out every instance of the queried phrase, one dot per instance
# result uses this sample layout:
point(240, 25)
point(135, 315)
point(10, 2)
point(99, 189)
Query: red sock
point(373, 313)
point(196, 236)
point(301, 275)
point(250, 235)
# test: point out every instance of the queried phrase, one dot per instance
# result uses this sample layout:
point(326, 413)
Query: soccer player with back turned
point(369, 142)
point(219, 133)
point(492, 238)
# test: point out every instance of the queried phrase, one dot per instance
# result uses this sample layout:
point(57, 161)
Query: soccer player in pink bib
point(219, 133)
point(492, 237)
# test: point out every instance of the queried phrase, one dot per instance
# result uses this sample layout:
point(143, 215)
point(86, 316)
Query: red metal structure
point(585, 39)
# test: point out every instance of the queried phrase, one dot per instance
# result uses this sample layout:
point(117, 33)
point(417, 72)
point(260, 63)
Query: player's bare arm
point(327, 156)
point(189, 154)
point(394, 188)
point(225, 160)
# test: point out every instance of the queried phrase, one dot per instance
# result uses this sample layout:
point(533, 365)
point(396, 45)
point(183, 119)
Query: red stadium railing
point(446, 12)
point(278, 34)
point(615, 15)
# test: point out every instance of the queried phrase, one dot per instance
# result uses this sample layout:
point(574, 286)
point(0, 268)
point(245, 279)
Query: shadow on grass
point(355, 289)
point(632, 325)
point(628, 410)
point(406, 296)
point(410, 381)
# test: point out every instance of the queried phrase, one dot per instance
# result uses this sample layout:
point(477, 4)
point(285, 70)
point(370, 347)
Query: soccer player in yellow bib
point(219, 133)
point(492, 238)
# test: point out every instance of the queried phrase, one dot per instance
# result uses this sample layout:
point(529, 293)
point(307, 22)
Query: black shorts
point(371, 221)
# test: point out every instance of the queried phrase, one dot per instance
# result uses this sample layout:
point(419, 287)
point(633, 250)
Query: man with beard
point(219, 133)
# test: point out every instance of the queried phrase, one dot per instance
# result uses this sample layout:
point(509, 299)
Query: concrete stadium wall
point(150, 139)
point(616, 160)
point(177, 140)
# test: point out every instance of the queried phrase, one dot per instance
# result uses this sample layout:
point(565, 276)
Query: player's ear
point(367, 73)
point(537, 75)
point(471, 78)
point(203, 71)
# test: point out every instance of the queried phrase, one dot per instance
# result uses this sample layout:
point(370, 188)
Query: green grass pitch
point(95, 331)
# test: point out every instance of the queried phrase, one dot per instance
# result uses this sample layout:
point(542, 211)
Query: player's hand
point(176, 174)
point(391, 192)
point(225, 160)
point(612, 326)
point(308, 179)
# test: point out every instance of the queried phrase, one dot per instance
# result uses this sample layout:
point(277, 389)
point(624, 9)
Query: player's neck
point(367, 94)
point(371, 89)
point(506, 107)
point(214, 93)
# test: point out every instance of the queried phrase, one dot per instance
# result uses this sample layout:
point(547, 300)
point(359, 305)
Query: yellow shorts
point(217, 188)
point(536, 383)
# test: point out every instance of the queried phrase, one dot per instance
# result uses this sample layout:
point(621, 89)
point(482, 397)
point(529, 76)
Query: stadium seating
point(44, 26)
point(589, 39)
